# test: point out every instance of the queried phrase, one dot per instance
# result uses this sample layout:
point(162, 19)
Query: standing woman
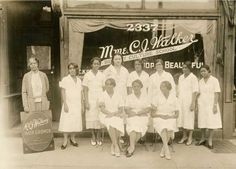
point(209, 116)
point(111, 105)
point(137, 108)
point(187, 89)
point(34, 88)
point(165, 112)
point(71, 118)
point(159, 76)
point(93, 83)
point(138, 73)
point(119, 73)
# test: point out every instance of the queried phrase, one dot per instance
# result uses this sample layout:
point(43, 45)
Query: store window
point(142, 4)
point(174, 41)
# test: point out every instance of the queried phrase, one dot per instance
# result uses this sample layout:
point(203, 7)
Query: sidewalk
point(87, 157)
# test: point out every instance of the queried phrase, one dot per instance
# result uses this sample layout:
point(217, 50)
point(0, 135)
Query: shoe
point(183, 140)
point(117, 154)
point(200, 143)
point(129, 154)
point(188, 143)
point(93, 142)
point(99, 143)
point(141, 141)
point(112, 150)
point(117, 151)
point(209, 146)
point(63, 147)
point(167, 155)
point(162, 154)
point(74, 143)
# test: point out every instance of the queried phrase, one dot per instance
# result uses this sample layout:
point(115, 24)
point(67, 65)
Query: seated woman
point(164, 114)
point(137, 109)
point(111, 106)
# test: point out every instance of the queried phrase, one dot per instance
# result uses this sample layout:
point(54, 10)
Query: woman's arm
point(193, 105)
point(129, 112)
point(86, 89)
point(63, 94)
point(144, 111)
point(216, 97)
point(103, 109)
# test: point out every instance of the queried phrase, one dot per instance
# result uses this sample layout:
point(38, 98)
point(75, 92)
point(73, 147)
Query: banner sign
point(174, 47)
point(37, 132)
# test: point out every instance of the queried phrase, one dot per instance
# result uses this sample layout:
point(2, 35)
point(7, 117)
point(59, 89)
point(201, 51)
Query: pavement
point(87, 156)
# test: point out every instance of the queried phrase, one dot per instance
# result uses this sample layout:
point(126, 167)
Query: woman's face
point(117, 60)
point(137, 66)
point(204, 72)
point(159, 66)
point(33, 64)
point(185, 69)
point(72, 70)
point(95, 65)
point(163, 88)
point(109, 86)
point(136, 87)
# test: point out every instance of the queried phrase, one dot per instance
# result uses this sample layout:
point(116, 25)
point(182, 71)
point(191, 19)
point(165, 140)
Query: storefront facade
point(174, 31)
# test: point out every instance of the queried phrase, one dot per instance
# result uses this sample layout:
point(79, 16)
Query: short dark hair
point(112, 58)
point(159, 61)
point(93, 59)
point(167, 85)
point(139, 61)
point(207, 67)
point(189, 65)
point(113, 82)
point(75, 66)
point(34, 58)
point(138, 82)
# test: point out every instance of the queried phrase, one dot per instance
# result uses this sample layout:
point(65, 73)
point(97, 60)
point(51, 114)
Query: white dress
point(112, 104)
point(206, 117)
point(72, 120)
point(120, 78)
point(95, 85)
point(155, 83)
point(137, 123)
point(165, 106)
point(187, 86)
point(143, 77)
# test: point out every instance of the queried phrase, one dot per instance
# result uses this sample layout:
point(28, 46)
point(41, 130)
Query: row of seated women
point(114, 98)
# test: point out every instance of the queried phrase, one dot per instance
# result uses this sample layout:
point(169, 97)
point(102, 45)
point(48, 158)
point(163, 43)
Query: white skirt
point(159, 124)
point(137, 124)
point(115, 122)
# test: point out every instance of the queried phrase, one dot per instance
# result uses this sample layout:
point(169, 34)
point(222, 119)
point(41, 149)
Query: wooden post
point(229, 54)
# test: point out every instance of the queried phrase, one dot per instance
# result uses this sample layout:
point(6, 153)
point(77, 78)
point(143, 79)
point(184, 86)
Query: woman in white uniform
point(71, 120)
point(93, 84)
point(209, 116)
point(137, 108)
point(119, 73)
point(111, 105)
point(188, 90)
point(157, 78)
point(140, 74)
point(164, 114)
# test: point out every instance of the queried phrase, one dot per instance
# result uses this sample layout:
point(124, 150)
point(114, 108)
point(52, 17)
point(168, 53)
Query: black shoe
point(74, 144)
point(129, 154)
point(63, 147)
point(200, 143)
point(209, 146)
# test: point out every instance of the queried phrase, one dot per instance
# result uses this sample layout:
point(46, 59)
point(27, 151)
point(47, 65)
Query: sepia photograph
point(117, 84)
